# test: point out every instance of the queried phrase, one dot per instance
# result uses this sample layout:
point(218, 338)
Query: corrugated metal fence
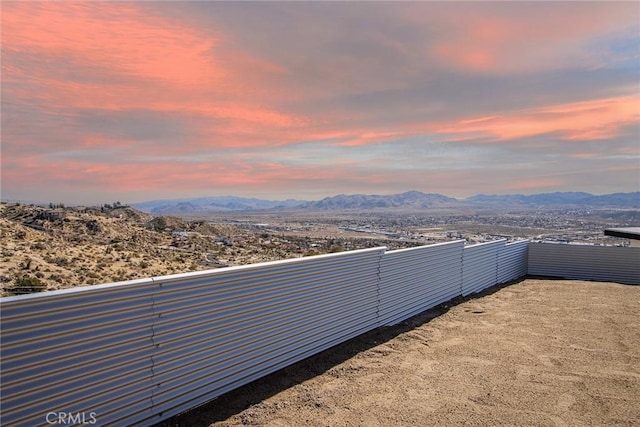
point(80, 350)
point(138, 352)
point(585, 262)
point(512, 261)
point(415, 279)
point(480, 266)
point(218, 331)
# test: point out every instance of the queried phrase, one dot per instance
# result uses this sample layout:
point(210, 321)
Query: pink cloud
point(139, 61)
point(106, 60)
point(122, 39)
point(588, 120)
point(173, 176)
point(364, 137)
point(186, 70)
point(516, 37)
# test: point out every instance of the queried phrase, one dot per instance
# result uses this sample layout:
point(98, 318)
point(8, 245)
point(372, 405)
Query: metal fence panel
point(416, 279)
point(216, 331)
point(586, 262)
point(139, 352)
point(512, 261)
point(480, 266)
point(79, 350)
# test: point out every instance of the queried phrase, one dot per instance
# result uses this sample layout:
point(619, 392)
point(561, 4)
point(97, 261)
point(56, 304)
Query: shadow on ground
point(238, 400)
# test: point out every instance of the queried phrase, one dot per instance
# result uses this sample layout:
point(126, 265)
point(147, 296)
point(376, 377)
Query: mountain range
point(407, 200)
point(212, 204)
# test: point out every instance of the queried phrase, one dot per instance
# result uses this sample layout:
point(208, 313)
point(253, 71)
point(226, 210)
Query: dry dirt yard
point(534, 353)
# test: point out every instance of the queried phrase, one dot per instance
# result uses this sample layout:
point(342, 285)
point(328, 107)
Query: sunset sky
point(106, 101)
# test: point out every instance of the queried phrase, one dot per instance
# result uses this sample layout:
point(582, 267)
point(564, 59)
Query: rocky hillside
point(55, 248)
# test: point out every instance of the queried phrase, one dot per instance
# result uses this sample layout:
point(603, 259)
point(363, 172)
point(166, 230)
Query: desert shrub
point(157, 224)
point(93, 226)
point(336, 248)
point(56, 277)
point(38, 246)
point(61, 261)
point(26, 285)
point(25, 264)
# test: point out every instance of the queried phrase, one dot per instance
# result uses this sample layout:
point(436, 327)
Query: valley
point(48, 248)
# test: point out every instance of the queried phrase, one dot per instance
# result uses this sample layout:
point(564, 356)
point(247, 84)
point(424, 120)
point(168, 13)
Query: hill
point(44, 248)
point(56, 248)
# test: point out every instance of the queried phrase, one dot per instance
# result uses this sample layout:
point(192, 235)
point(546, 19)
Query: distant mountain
point(212, 204)
point(410, 199)
point(621, 200)
point(407, 200)
point(558, 199)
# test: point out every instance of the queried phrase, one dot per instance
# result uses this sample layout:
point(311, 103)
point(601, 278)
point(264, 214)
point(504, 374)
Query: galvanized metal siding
point(141, 351)
point(480, 266)
point(512, 261)
point(217, 331)
point(416, 279)
point(78, 350)
point(602, 263)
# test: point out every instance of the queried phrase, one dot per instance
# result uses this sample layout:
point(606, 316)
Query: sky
point(135, 101)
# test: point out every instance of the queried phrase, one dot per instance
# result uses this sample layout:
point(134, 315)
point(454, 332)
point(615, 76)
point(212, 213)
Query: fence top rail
point(417, 248)
point(105, 287)
point(580, 245)
point(493, 242)
point(189, 275)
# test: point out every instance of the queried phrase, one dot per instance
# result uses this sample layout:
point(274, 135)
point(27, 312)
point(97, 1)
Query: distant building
point(179, 237)
point(180, 233)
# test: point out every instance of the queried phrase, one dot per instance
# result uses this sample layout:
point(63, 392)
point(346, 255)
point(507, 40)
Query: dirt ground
point(534, 353)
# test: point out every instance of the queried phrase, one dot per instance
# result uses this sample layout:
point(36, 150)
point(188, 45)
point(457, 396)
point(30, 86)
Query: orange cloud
point(171, 175)
point(588, 120)
point(130, 59)
point(364, 137)
point(123, 39)
point(72, 71)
